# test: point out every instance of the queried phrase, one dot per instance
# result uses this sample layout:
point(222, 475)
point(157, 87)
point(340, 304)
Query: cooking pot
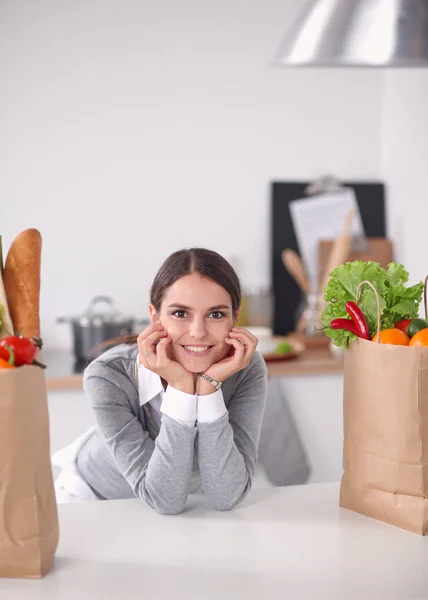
point(94, 326)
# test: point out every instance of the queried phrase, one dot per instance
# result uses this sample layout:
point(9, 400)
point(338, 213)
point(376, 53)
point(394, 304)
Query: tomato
point(403, 325)
point(23, 348)
point(397, 337)
point(420, 339)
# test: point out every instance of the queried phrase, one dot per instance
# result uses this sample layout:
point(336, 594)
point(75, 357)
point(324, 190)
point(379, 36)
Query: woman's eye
point(217, 314)
point(179, 313)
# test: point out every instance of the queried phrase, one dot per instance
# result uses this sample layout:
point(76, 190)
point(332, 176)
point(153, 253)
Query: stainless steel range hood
point(358, 33)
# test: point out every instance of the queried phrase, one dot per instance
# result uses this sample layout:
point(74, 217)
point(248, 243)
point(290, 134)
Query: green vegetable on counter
point(283, 348)
point(397, 302)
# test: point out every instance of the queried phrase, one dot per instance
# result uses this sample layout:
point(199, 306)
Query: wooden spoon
point(292, 262)
point(338, 256)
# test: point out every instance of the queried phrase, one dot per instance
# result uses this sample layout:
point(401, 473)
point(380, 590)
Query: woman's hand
point(243, 345)
point(152, 345)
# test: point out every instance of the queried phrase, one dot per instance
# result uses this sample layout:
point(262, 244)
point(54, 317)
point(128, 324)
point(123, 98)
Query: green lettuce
point(396, 301)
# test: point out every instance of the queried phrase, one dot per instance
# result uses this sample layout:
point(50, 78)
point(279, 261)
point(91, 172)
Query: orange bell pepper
point(5, 365)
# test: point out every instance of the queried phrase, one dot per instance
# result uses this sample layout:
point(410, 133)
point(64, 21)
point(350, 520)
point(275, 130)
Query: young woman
point(179, 408)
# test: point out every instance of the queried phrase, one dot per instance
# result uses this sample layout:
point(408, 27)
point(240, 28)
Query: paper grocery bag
point(385, 456)
point(28, 509)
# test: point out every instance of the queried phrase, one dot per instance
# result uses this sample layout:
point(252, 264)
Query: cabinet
point(69, 416)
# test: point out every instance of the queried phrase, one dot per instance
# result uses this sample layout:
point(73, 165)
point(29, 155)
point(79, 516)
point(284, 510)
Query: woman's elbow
point(163, 506)
point(166, 509)
point(227, 503)
point(224, 506)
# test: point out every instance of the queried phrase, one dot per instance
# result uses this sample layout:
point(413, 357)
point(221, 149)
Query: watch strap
point(216, 384)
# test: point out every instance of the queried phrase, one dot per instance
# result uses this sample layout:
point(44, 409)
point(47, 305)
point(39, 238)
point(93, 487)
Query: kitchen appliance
point(95, 326)
point(357, 33)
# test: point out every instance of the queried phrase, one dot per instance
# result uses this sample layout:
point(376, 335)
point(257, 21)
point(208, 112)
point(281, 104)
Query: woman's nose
point(198, 329)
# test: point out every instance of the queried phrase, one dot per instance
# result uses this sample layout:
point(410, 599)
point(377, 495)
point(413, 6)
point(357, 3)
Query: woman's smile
point(197, 350)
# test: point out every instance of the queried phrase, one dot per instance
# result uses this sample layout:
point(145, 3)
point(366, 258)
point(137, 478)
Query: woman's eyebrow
point(183, 307)
point(219, 306)
point(180, 306)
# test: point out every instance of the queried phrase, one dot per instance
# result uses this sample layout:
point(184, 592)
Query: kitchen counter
point(62, 372)
point(292, 542)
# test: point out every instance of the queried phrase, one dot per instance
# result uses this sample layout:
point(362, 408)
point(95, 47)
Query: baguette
point(22, 282)
point(6, 327)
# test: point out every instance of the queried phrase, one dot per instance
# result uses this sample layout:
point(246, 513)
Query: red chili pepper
point(346, 324)
point(359, 319)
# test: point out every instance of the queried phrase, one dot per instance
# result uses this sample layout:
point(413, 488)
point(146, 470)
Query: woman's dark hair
point(207, 263)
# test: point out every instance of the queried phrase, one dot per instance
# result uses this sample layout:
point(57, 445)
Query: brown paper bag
point(28, 509)
point(385, 457)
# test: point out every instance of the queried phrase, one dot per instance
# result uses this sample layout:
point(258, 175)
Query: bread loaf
point(21, 279)
point(6, 327)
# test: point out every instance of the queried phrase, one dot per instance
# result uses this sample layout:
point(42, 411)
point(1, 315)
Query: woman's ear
point(236, 315)
point(154, 318)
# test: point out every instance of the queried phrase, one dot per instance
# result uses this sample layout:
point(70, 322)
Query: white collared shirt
point(186, 409)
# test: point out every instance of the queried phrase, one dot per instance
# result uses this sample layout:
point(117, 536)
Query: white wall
point(405, 165)
point(130, 129)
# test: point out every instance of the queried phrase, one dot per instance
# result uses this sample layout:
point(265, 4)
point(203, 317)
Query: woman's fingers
point(161, 349)
point(245, 332)
point(147, 343)
point(149, 331)
point(248, 343)
point(239, 353)
point(150, 341)
point(244, 336)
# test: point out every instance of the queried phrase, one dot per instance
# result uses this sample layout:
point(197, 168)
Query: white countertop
point(288, 543)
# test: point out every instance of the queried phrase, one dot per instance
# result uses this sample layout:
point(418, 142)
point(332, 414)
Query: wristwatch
point(216, 384)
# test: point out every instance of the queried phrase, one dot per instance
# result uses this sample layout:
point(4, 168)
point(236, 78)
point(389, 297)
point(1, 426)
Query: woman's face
point(197, 314)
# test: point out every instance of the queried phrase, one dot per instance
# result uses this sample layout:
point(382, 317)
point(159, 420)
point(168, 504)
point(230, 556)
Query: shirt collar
point(149, 384)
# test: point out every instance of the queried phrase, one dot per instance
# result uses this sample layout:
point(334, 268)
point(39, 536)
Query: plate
point(298, 349)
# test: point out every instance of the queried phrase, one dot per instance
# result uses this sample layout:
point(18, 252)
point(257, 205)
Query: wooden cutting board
point(380, 250)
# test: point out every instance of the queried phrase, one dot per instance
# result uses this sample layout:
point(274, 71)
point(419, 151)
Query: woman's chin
point(196, 365)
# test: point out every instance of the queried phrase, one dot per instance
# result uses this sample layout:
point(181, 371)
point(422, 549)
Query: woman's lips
point(197, 350)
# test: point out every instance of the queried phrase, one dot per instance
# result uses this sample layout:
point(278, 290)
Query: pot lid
point(97, 317)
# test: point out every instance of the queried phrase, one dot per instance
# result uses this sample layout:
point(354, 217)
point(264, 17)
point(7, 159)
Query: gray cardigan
point(127, 457)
